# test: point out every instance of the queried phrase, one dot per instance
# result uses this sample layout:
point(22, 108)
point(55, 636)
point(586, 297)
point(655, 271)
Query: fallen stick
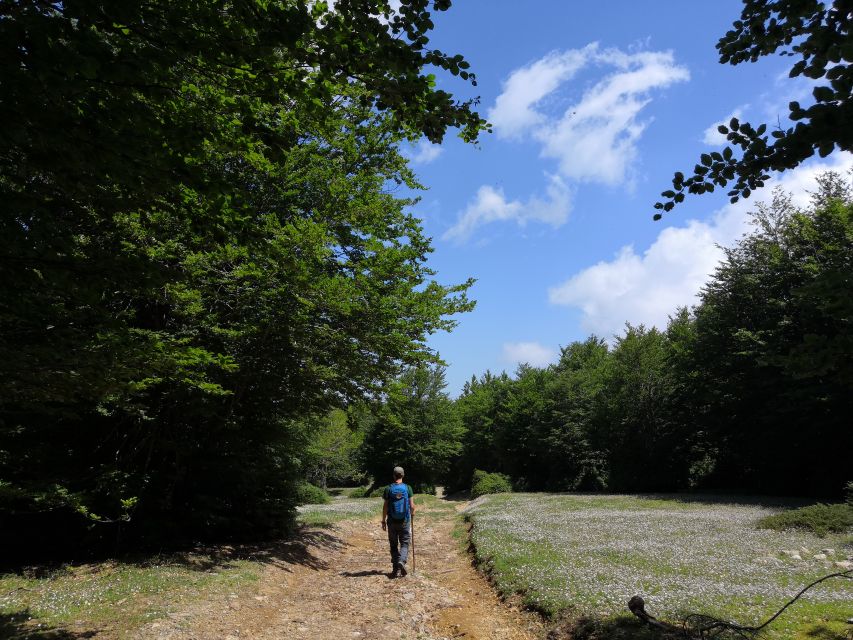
point(708, 624)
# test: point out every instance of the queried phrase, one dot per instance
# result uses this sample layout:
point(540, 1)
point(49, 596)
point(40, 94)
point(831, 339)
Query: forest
point(209, 295)
point(749, 391)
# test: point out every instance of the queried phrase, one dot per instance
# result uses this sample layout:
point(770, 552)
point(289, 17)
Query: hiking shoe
point(402, 568)
point(396, 572)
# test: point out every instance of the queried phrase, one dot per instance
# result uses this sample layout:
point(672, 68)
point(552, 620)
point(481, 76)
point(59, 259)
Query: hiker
point(397, 512)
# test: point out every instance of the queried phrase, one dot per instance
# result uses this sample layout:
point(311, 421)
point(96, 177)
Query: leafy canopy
point(198, 250)
point(818, 36)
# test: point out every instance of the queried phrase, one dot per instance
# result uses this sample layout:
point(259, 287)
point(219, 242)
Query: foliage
point(360, 492)
point(817, 35)
point(307, 493)
point(199, 255)
point(751, 390)
point(478, 408)
point(848, 493)
point(772, 349)
point(417, 427)
point(331, 450)
point(484, 483)
point(643, 437)
point(820, 519)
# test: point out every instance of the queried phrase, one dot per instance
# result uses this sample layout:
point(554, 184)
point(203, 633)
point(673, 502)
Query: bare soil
point(334, 584)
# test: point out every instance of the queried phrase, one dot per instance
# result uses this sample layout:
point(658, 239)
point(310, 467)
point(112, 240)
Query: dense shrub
point(484, 483)
point(360, 492)
point(848, 493)
point(307, 493)
point(817, 518)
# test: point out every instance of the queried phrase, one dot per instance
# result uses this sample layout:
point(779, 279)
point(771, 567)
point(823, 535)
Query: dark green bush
point(360, 492)
point(484, 482)
point(307, 493)
point(848, 493)
point(378, 492)
point(817, 518)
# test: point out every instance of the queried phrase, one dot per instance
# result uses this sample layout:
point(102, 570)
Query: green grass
point(339, 509)
point(320, 515)
point(820, 519)
point(586, 555)
point(113, 595)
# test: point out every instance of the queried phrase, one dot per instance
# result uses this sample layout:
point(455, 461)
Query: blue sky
point(594, 106)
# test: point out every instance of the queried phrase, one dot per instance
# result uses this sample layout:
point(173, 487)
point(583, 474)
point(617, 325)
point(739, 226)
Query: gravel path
point(332, 584)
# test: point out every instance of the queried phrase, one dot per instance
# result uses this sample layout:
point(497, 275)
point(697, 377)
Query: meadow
point(113, 597)
point(586, 555)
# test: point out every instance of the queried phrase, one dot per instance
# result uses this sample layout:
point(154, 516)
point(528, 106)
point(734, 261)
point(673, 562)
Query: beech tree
point(417, 427)
point(198, 250)
point(817, 36)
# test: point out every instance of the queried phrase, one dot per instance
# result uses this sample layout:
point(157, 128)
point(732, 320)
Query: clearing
point(588, 554)
point(331, 583)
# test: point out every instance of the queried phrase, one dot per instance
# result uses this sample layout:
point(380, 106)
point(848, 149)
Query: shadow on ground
point(205, 558)
point(364, 574)
point(16, 626)
point(458, 496)
point(822, 632)
point(293, 551)
point(289, 551)
point(621, 628)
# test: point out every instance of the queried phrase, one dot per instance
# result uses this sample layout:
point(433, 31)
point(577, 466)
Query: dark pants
point(399, 535)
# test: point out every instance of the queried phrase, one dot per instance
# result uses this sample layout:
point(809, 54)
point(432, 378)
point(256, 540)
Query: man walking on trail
point(397, 512)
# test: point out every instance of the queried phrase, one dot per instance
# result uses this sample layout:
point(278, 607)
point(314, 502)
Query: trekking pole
point(413, 542)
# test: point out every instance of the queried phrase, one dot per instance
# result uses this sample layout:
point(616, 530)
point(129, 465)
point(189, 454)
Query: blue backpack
point(398, 501)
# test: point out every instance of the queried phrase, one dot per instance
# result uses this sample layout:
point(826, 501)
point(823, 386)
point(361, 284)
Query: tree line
point(749, 391)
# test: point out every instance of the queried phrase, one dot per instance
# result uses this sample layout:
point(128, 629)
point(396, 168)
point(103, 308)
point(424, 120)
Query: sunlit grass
point(115, 595)
point(339, 509)
point(590, 554)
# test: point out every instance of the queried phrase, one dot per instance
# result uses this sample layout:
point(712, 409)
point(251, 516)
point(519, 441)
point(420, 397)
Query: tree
point(572, 446)
point(417, 427)
point(331, 450)
point(644, 445)
point(198, 251)
point(772, 351)
point(818, 33)
point(478, 407)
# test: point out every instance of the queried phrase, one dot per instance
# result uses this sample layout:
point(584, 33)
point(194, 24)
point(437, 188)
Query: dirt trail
point(333, 585)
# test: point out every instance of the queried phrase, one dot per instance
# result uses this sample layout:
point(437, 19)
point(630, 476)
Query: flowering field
point(113, 597)
point(590, 553)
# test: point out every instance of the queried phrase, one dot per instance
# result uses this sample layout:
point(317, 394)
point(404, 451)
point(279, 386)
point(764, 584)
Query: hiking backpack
point(398, 501)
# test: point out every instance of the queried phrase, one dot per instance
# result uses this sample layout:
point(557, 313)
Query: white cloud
point(491, 205)
point(646, 288)
point(513, 113)
point(714, 138)
point(424, 152)
point(531, 353)
point(595, 138)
